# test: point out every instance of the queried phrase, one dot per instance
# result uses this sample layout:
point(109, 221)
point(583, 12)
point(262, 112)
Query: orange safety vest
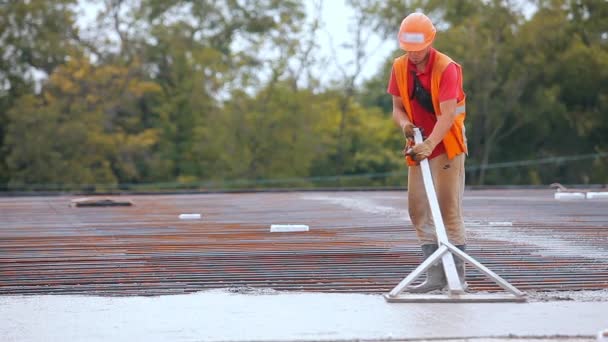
point(455, 141)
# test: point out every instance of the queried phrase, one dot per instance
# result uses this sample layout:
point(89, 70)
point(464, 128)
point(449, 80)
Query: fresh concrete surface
point(236, 315)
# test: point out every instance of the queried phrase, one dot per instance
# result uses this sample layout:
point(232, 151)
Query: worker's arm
point(441, 128)
point(444, 121)
point(401, 119)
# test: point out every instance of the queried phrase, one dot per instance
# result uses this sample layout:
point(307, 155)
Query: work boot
point(435, 278)
point(461, 268)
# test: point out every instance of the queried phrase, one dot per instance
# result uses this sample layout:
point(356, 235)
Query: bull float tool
point(446, 253)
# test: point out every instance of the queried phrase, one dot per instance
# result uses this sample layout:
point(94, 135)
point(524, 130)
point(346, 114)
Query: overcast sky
point(336, 16)
point(336, 20)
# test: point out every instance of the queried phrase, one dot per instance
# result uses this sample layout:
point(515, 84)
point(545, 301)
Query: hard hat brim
point(417, 46)
point(414, 46)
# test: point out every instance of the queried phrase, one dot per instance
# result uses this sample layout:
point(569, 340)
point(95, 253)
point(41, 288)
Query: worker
point(427, 91)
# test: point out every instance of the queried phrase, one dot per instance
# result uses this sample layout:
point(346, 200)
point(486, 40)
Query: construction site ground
point(124, 273)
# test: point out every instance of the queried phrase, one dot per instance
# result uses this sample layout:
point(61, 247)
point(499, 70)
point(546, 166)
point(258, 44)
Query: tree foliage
point(86, 127)
point(36, 37)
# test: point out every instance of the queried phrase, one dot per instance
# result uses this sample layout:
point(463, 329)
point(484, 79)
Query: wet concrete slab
point(258, 315)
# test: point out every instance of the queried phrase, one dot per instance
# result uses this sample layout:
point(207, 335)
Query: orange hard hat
point(416, 32)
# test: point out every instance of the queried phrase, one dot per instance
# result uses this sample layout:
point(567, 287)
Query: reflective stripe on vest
point(461, 109)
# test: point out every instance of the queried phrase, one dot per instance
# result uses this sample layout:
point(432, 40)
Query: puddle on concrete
point(554, 246)
point(364, 205)
point(265, 316)
point(551, 246)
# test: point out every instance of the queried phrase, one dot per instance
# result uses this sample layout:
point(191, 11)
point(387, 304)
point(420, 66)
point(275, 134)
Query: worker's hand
point(408, 130)
point(421, 151)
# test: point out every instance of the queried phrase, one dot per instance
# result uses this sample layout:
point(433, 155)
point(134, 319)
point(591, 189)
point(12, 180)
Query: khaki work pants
point(448, 177)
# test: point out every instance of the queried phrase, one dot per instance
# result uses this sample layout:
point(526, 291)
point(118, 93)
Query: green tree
point(36, 36)
point(86, 127)
point(202, 54)
point(276, 134)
